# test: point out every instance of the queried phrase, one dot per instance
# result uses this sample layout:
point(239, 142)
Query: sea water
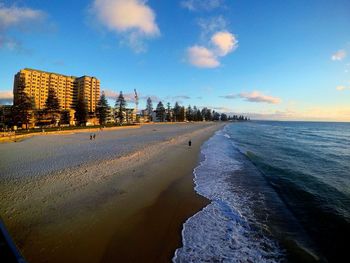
point(279, 192)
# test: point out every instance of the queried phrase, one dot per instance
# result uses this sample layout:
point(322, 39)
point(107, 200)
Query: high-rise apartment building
point(36, 84)
point(87, 88)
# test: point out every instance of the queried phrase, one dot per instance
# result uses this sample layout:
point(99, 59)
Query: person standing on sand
point(189, 143)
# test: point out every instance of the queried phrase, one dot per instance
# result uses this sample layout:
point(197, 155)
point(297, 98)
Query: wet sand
point(129, 208)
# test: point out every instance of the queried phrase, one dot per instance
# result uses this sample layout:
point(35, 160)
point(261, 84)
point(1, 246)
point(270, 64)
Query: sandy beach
point(120, 198)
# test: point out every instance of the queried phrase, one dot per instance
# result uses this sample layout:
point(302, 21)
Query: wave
point(228, 229)
point(307, 165)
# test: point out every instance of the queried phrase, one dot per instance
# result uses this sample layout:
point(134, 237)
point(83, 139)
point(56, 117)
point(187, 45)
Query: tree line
point(24, 111)
point(163, 113)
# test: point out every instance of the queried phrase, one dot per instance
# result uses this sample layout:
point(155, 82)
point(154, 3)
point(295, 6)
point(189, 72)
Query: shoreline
point(164, 218)
point(101, 206)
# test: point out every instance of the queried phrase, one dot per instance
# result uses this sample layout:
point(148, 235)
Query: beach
point(120, 198)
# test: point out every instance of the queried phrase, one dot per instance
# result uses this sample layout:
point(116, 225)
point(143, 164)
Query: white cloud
point(225, 42)
point(254, 96)
point(134, 19)
point(222, 42)
point(341, 88)
point(18, 16)
point(339, 55)
point(199, 5)
point(6, 97)
point(202, 57)
point(257, 96)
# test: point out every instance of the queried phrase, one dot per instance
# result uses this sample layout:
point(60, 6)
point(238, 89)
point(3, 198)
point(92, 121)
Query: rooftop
point(42, 71)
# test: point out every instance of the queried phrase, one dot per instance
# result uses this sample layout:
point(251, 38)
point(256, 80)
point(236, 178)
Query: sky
point(278, 60)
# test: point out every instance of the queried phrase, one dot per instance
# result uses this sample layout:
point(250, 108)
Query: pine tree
point(182, 114)
point(209, 116)
point(194, 114)
point(81, 111)
point(102, 109)
point(23, 108)
point(149, 108)
point(189, 113)
point(168, 112)
point(52, 105)
point(223, 117)
point(120, 106)
point(199, 116)
point(206, 113)
point(177, 112)
point(160, 112)
point(216, 116)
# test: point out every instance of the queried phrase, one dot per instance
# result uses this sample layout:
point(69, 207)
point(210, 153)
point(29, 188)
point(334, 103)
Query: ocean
point(278, 191)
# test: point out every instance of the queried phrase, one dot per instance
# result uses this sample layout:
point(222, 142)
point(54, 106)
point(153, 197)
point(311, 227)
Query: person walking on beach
point(94, 136)
point(90, 136)
point(189, 143)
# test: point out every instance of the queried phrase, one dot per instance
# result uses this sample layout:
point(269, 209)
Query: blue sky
point(287, 60)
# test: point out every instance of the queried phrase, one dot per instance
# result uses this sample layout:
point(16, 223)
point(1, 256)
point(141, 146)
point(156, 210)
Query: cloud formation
point(179, 97)
point(202, 57)
point(130, 97)
point(230, 96)
point(18, 18)
point(254, 96)
point(154, 98)
point(221, 109)
point(257, 96)
point(134, 19)
point(342, 88)
point(222, 43)
point(339, 55)
point(112, 95)
point(6, 97)
point(201, 5)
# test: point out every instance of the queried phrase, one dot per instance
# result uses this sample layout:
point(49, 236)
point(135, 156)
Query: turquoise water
point(279, 191)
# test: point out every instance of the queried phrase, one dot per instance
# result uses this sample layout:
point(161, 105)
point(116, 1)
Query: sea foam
point(225, 230)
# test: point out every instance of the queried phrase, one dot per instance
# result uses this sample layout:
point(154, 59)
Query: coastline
point(155, 231)
point(140, 207)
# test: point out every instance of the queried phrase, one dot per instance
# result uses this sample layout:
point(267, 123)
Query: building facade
point(68, 89)
point(87, 88)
